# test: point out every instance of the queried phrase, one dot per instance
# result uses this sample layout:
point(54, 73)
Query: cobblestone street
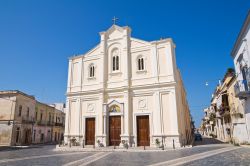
point(207, 152)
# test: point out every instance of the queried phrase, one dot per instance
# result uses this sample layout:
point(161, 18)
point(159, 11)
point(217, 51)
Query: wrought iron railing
point(242, 86)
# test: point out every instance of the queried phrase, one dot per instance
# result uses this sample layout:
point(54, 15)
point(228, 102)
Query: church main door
point(143, 131)
point(90, 131)
point(114, 130)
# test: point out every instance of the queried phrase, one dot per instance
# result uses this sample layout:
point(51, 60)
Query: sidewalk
point(112, 149)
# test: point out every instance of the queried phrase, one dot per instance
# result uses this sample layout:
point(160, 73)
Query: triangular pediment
point(114, 102)
point(115, 32)
point(93, 51)
point(138, 43)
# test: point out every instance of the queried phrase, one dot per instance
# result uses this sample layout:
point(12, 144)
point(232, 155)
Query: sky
point(37, 38)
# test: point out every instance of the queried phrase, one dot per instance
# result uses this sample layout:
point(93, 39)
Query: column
point(157, 125)
point(67, 122)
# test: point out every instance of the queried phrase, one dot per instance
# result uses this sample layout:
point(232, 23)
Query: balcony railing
point(242, 89)
point(242, 86)
point(50, 123)
point(28, 120)
point(59, 124)
point(41, 123)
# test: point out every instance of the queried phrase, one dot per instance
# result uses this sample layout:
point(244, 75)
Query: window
point(20, 111)
point(36, 115)
point(92, 71)
point(28, 112)
point(141, 64)
point(34, 136)
point(49, 117)
point(115, 60)
point(17, 134)
point(41, 116)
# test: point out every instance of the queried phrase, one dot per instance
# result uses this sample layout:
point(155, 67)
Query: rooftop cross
point(114, 20)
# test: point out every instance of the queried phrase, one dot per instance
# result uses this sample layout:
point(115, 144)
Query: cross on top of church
point(114, 20)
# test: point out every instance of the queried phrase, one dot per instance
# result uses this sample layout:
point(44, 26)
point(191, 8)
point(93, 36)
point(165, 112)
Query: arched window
point(92, 71)
point(115, 60)
point(141, 64)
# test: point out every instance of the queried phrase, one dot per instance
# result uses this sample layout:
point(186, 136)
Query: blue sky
point(37, 37)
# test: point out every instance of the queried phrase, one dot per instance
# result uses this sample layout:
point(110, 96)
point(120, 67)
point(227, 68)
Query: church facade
point(126, 91)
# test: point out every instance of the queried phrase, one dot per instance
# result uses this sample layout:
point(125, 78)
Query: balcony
point(50, 123)
point(28, 120)
point(242, 88)
point(41, 123)
point(59, 124)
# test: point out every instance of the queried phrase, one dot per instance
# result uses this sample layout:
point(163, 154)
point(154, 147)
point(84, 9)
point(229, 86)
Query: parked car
point(198, 137)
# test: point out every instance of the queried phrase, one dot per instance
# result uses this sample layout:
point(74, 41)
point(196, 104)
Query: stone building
point(225, 118)
point(16, 118)
point(24, 121)
point(127, 91)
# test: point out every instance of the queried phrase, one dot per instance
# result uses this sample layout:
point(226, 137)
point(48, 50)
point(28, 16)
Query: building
point(238, 129)
point(24, 121)
point(208, 122)
point(127, 91)
point(225, 118)
point(16, 118)
point(44, 123)
point(59, 125)
point(241, 57)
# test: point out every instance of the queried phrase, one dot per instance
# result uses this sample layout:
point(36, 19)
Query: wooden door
point(90, 131)
point(114, 130)
point(143, 131)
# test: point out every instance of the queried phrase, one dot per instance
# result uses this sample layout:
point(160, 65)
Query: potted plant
point(157, 142)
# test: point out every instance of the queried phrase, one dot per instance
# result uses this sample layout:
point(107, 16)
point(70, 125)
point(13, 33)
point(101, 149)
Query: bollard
point(94, 145)
point(70, 144)
point(173, 144)
point(82, 143)
point(144, 147)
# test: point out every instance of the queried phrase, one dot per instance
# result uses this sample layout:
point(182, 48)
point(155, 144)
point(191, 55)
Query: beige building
point(58, 127)
point(127, 91)
point(225, 117)
point(16, 118)
point(24, 121)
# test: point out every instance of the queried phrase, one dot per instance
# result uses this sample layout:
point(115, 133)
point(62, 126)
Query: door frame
point(135, 126)
point(83, 129)
point(86, 129)
point(108, 132)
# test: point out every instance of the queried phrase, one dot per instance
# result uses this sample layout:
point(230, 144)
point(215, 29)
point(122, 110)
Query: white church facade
point(127, 91)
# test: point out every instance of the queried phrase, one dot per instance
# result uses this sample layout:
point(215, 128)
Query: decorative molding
point(142, 103)
point(115, 73)
point(141, 71)
point(90, 107)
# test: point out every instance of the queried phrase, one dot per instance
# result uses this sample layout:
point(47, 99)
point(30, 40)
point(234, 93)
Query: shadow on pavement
point(207, 141)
